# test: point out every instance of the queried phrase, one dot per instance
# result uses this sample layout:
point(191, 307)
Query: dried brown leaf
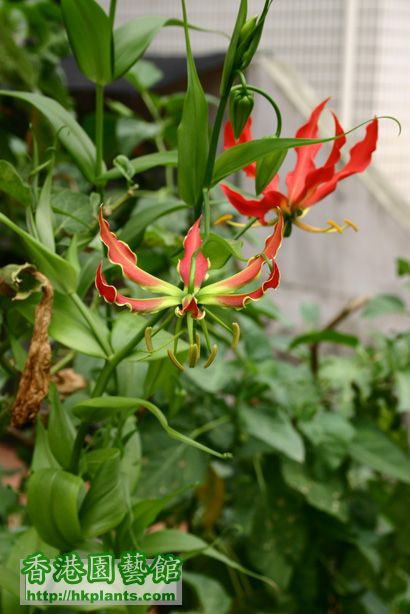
point(34, 381)
point(68, 381)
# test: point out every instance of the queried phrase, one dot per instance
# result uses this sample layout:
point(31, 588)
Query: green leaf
point(193, 138)
point(372, 448)
point(403, 389)
point(134, 229)
point(131, 456)
point(101, 408)
point(267, 168)
point(235, 158)
point(172, 540)
point(68, 326)
point(131, 41)
point(74, 211)
point(145, 512)
point(274, 428)
point(13, 185)
point(144, 163)
point(90, 35)
point(62, 275)
point(44, 215)
point(54, 497)
point(219, 250)
point(144, 75)
point(43, 457)
point(328, 336)
point(69, 132)
point(25, 542)
point(327, 496)
point(331, 434)
point(61, 431)
point(383, 305)
point(104, 505)
point(211, 594)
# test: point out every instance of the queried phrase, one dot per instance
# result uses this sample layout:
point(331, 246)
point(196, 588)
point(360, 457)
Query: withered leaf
point(34, 381)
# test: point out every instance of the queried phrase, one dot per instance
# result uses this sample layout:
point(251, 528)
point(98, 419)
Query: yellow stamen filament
point(148, 338)
point(332, 226)
point(212, 356)
point(175, 360)
point(236, 335)
point(193, 355)
point(223, 218)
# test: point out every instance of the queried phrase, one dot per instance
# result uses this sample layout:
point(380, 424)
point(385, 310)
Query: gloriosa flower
point(307, 184)
point(191, 300)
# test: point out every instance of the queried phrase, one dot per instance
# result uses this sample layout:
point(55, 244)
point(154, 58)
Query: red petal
point(326, 172)
point(192, 242)
point(148, 305)
point(246, 135)
point(295, 180)
point(253, 208)
point(120, 253)
point(191, 305)
point(251, 272)
point(238, 301)
point(360, 158)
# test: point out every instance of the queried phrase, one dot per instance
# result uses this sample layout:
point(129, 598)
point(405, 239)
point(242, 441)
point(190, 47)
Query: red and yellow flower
point(307, 183)
point(192, 298)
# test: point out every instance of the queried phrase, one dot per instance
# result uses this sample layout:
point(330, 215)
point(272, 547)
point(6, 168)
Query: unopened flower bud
point(240, 107)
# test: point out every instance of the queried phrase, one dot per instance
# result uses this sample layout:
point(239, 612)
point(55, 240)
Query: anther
point(193, 355)
point(223, 218)
point(211, 357)
point(334, 225)
point(175, 360)
point(236, 334)
point(351, 224)
point(148, 338)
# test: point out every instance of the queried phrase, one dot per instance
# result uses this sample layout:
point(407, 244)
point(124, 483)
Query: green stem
point(111, 364)
point(91, 323)
point(214, 141)
point(159, 141)
point(245, 228)
point(261, 92)
point(99, 129)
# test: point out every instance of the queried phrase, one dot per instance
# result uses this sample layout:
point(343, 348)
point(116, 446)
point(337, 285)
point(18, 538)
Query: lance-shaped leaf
point(54, 498)
point(101, 408)
point(242, 155)
point(69, 132)
point(60, 272)
point(131, 41)
point(193, 139)
point(144, 163)
point(90, 34)
point(13, 185)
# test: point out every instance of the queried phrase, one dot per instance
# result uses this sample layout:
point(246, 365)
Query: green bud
point(245, 39)
point(241, 103)
point(252, 46)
